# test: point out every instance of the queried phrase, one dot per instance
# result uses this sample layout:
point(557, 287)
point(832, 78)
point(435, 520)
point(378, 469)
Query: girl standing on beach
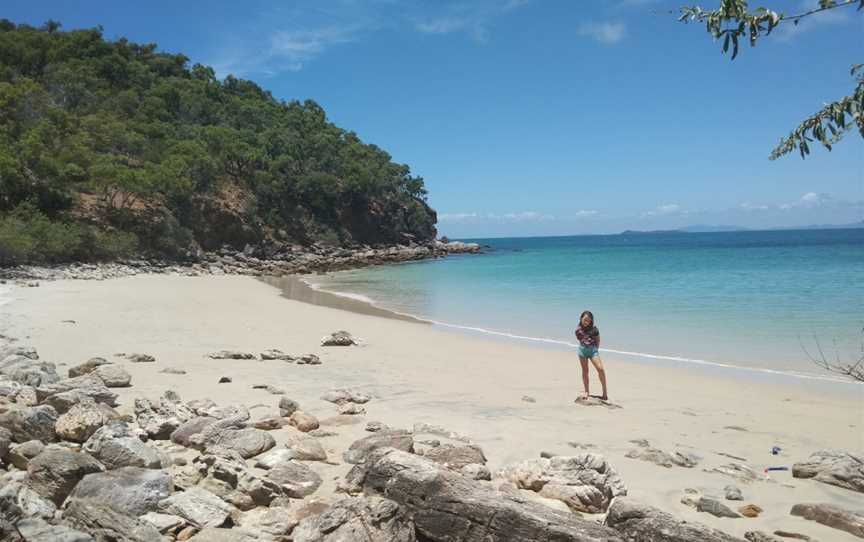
point(589, 345)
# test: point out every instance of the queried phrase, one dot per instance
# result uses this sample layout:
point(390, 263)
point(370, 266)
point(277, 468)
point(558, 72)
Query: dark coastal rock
point(274, 354)
point(18, 500)
point(338, 338)
point(268, 523)
point(307, 449)
point(308, 359)
point(130, 490)
point(759, 536)
point(199, 507)
point(88, 384)
point(360, 449)
point(225, 380)
point(664, 459)
point(270, 459)
point(639, 522)
point(246, 442)
point(738, 471)
point(185, 431)
point(295, 479)
point(832, 516)
point(27, 370)
point(350, 409)
point(39, 530)
point(230, 479)
point(87, 367)
point(732, 493)
point(83, 420)
point(159, 421)
point(113, 376)
point(21, 454)
point(715, 508)
point(456, 457)
point(55, 472)
point(446, 506)
point(31, 423)
point(585, 482)
point(287, 406)
point(371, 519)
point(141, 358)
point(230, 354)
point(107, 524)
point(833, 467)
point(117, 445)
point(346, 395)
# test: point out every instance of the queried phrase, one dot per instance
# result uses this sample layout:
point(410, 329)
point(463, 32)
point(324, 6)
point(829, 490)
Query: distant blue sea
point(753, 299)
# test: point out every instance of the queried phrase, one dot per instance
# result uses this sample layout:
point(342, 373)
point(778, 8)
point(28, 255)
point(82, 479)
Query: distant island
point(111, 149)
point(701, 228)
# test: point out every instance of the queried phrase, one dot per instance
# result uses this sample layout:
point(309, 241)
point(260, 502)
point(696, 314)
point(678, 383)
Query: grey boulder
point(116, 445)
point(130, 490)
point(584, 482)
point(31, 423)
point(397, 438)
point(834, 467)
point(199, 507)
point(295, 479)
point(371, 519)
point(639, 522)
point(832, 516)
point(55, 472)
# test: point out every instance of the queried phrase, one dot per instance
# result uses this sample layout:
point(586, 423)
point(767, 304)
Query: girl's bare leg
point(585, 380)
point(601, 372)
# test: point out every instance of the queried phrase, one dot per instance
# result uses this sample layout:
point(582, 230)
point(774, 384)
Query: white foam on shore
point(567, 344)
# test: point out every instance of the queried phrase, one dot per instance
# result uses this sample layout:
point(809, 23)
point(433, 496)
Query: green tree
point(733, 22)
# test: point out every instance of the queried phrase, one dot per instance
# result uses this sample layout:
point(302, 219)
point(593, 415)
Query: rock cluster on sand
point(274, 261)
point(175, 470)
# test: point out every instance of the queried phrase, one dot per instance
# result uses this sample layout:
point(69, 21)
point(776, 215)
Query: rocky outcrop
point(199, 507)
point(88, 384)
point(449, 507)
point(55, 472)
point(39, 530)
point(31, 423)
point(833, 467)
point(83, 420)
point(715, 508)
point(584, 482)
point(106, 523)
point(396, 438)
point(338, 338)
point(832, 516)
point(645, 452)
point(130, 490)
point(296, 479)
point(371, 519)
point(116, 445)
point(638, 522)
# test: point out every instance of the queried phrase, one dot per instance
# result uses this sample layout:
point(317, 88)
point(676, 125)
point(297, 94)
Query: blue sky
point(541, 117)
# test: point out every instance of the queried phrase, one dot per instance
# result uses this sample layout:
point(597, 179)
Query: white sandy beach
point(471, 385)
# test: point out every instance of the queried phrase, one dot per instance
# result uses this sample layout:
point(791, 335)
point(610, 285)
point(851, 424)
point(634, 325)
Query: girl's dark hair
point(589, 313)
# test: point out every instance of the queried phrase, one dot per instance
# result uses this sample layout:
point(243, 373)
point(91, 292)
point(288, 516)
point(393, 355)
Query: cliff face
point(110, 149)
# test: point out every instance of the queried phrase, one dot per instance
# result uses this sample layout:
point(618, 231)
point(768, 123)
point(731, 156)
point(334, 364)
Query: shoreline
point(420, 374)
point(299, 288)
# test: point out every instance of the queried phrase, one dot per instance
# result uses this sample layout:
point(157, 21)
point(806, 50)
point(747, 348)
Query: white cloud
point(748, 206)
point(520, 216)
point(296, 47)
point(473, 18)
point(583, 213)
point(664, 210)
point(809, 200)
point(607, 33)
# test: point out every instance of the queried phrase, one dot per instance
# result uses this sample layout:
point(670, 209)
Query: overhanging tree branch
point(732, 21)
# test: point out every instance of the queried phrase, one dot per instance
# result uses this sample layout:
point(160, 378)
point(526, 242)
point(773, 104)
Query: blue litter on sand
point(776, 468)
point(775, 450)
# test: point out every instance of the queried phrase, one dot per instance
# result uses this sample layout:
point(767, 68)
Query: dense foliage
point(111, 148)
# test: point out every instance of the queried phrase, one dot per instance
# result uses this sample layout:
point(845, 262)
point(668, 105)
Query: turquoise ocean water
point(747, 299)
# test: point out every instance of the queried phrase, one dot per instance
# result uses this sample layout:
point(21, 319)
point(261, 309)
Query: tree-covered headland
point(111, 149)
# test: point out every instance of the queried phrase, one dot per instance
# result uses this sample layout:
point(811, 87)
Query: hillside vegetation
point(110, 148)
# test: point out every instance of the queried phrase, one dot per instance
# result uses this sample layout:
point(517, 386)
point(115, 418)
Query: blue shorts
point(588, 351)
